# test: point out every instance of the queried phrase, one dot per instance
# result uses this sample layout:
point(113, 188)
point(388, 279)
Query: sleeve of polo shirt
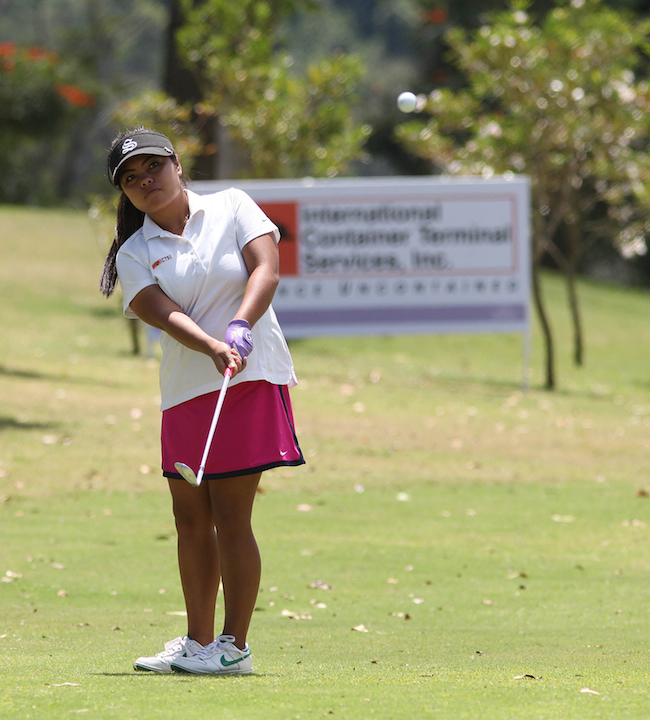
point(134, 275)
point(250, 220)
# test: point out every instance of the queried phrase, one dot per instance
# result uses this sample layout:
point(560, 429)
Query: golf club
point(185, 470)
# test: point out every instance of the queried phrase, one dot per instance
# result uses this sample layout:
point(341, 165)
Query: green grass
point(477, 533)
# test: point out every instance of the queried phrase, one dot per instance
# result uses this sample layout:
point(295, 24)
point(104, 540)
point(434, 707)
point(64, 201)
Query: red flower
point(437, 16)
point(7, 49)
point(37, 53)
point(75, 95)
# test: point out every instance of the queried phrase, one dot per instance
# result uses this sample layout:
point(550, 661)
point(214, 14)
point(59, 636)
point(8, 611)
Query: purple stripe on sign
point(416, 313)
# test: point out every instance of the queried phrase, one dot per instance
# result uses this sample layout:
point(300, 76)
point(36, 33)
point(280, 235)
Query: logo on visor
point(129, 145)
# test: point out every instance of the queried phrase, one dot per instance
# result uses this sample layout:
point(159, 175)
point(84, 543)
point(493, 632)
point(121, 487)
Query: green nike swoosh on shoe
point(228, 663)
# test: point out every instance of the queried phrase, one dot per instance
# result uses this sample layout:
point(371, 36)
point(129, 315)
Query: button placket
point(195, 258)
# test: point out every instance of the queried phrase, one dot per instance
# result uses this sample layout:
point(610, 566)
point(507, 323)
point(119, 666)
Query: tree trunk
point(546, 328)
point(134, 327)
point(578, 348)
point(573, 232)
point(182, 85)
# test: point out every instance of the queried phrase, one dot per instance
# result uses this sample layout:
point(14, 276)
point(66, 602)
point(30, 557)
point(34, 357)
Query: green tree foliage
point(301, 127)
point(287, 124)
point(155, 109)
point(116, 41)
point(384, 35)
point(559, 101)
point(52, 137)
point(38, 104)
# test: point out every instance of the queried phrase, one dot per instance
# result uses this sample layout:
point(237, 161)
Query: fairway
point(454, 548)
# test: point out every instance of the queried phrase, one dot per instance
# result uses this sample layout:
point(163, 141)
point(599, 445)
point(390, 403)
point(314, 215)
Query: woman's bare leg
point(232, 506)
point(198, 557)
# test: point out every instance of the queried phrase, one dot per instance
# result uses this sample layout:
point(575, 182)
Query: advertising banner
point(398, 255)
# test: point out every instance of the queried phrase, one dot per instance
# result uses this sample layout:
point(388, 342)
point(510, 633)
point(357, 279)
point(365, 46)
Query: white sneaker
point(220, 657)
point(177, 648)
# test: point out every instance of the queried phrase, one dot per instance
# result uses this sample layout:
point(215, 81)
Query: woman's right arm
point(156, 308)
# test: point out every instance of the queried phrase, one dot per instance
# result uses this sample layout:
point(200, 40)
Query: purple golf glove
point(239, 335)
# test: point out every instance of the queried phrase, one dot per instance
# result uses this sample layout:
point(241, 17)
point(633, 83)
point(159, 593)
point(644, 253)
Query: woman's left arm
point(263, 264)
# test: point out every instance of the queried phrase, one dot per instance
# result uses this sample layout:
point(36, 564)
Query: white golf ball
point(407, 102)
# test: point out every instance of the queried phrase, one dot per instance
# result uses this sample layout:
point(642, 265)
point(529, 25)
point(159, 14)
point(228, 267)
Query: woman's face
point(152, 183)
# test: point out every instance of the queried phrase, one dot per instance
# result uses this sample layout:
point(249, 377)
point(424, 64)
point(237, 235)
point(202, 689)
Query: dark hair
point(129, 220)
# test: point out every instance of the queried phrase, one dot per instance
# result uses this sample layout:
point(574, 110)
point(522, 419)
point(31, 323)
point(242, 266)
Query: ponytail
point(129, 220)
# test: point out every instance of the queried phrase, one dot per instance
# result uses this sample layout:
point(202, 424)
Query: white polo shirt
point(204, 273)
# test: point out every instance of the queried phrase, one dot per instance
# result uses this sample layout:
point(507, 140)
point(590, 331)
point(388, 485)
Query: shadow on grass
point(175, 675)
point(108, 311)
point(131, 674)
point(11, 423)
point(467, 383)
point(34, 375)
point(471, 380)
point(24, 374)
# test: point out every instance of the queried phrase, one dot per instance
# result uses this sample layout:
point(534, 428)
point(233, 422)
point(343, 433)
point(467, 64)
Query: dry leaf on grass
point(321, 585)
point(524, 677)
point(588, 691)
point(10, 576)
point(634, 523)
point(294, 616)
point(361, 628)
point(563, 518)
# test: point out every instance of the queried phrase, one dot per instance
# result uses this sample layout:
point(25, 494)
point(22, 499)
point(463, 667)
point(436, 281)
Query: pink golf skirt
point(255, 432)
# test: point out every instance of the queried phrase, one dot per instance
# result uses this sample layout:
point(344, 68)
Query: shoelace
point(172, 646)
point(222, 643)
point(209, 650)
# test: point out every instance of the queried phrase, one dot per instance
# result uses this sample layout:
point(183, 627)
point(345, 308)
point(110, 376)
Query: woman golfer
point(204, 269)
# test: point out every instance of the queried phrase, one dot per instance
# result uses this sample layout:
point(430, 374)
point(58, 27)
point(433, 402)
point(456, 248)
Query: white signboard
point(398, 255)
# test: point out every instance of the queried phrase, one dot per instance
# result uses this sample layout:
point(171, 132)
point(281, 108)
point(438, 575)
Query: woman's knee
point(192, 514)
point(232, 504)
point(188, 524)
point(230, 531)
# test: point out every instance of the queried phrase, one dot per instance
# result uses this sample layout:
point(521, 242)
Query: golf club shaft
point(217, 411)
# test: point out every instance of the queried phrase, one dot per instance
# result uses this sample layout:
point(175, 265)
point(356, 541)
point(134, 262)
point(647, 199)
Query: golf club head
point(187, 473)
